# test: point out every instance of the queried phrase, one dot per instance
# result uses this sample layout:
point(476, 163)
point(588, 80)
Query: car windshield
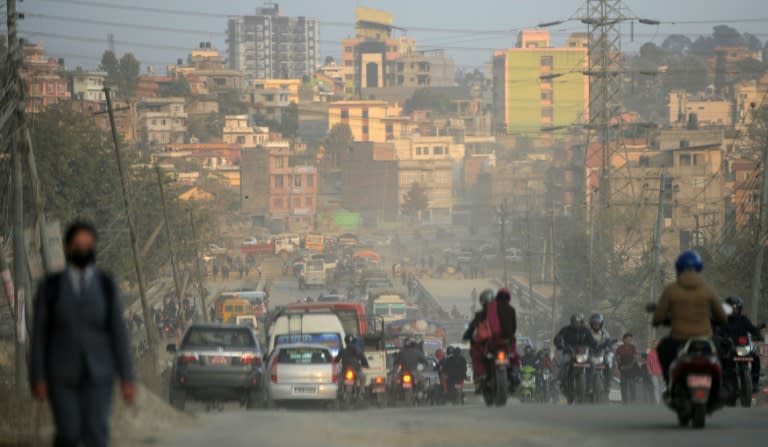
point(330, 340)
point(199, 337)
point(304, 356)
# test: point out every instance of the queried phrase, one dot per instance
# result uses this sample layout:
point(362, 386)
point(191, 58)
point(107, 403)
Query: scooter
point(544, 385)
point(527, 383)
point(601, 360)
point(576, 386)
point(349, 392)
point(694, 383)
point(496, 385)
point(743, 381)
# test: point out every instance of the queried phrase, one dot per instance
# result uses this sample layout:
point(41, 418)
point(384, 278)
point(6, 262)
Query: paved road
point(516, 424)
point(456, 292)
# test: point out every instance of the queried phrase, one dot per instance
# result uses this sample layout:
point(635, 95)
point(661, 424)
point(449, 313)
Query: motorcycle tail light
point(379, 380)
point(743, 341)
point(407, 378)
point(349, 375)
point(501, 356)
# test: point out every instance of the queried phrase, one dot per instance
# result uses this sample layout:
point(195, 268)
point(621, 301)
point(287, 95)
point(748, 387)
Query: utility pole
point(37, 194)
point(200, 280)
point(148, 322)
point(553, 244)
point(591, 250)
point(502, 213)
point(171, 244)
point(13, 126)
point(757, 274)
point(529, 256)
point(656, 261)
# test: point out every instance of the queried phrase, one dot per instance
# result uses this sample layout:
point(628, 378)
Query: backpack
point(53, 280)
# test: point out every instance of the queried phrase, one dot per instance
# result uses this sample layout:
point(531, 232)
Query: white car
point(250, 240)
point(513, 255)
point(300, 371)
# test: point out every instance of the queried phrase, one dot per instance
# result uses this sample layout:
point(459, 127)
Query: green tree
point(111, 66)
point(205, 128)
point(177, 87)
point(415, 202)
point(677, 44)
point(289, 126)
point(130, 68)
point(338, 141)
point(687, 73)
point(230, 103)
point(428, 99)
point(749, 69)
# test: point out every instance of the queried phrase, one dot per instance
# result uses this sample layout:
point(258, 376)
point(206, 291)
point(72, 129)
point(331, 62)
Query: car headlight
point(743, 351)
point(582, 358)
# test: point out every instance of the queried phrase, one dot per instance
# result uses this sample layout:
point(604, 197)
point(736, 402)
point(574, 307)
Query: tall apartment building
point(270, 46)
point(537, 86)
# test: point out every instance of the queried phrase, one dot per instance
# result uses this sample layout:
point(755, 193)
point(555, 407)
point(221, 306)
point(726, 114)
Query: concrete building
point(87, 85)
point(270, 46)
point(747, 95)
point(44, 85)
point(369, 182)
point(162, 120)
point(436, 176)
point(421, 69)
point(276, 194)
point(376, 121)
point(238, 130)
point(694, 110)
point(537, 86)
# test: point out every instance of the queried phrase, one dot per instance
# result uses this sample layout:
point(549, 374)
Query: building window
point(685, 159)
point(308, 202)
point(349, 63)
point(277, 203)
point(296, 202)
point(154, 122)
point(365, 114)
point(278, 181)
point(347, 49)
point(297, 181)
point(547, 112)
point(365, 130)
point(699, 182)
point(240, 139)
point(162, 122)
point(344, 114)
point(698, 159)
point(310, 180)
point(438, 150)
point(278, 162)
point(418, 150)
point(546, 95)
point(547, 61)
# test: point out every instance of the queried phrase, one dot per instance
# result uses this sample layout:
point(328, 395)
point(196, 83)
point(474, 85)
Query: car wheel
point(255, 400)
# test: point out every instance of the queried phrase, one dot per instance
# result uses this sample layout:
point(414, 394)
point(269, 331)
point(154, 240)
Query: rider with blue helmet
point(689, 305)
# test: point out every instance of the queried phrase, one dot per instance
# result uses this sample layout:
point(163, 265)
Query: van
point(307, 328)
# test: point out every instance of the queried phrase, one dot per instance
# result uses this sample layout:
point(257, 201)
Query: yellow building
point(376, 121)
point(289, 86)
point(537, 86)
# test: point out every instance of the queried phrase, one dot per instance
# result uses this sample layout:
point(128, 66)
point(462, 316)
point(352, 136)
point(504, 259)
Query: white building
point(88, 85)
point(163, 120)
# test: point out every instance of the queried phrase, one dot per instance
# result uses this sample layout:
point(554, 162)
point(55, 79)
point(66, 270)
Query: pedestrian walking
point(654, 371)
point(215, 271)
point(626, 359)
point(80, 344)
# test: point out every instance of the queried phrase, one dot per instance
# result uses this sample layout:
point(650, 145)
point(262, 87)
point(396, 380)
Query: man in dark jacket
point(507, 317)
point(79, 344)
point(740, 325)
point(476, 349)
point(572, 336)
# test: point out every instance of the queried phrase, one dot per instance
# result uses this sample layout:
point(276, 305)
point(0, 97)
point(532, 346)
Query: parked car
point(217, 362)
point(302, 372)
point(513, 255)
point(216, 249)
point(251, 240)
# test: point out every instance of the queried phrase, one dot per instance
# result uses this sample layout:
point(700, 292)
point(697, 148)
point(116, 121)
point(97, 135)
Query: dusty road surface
point(472, 425)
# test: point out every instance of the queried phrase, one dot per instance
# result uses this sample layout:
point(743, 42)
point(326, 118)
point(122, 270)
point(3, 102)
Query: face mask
point(81, 259)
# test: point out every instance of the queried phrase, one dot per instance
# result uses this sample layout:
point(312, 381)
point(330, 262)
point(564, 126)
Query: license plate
point(459, 386)
point(407, 386)
point(699, 381)
point(581, 365)
point(219, 360)
point(304, 390)
point(743, 359)
point(349, 382)
point(379, 389)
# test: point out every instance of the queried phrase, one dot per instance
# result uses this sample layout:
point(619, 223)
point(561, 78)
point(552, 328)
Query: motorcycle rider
point(410, 357)
point(351, 358)
point(603, 340)
point(739, 325)
point(529, 357)
point(689, 305)
point(572, 336)
point(476, 350)
point(454, 368)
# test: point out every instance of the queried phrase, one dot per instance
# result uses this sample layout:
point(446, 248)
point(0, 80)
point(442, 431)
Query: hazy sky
point(87, 41)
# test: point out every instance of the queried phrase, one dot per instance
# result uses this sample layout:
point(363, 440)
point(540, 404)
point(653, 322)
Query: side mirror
point(170, 347)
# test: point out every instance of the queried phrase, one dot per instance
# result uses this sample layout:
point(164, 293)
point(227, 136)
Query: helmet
point(486, 296)
point(577, 319)
point(456, 350)
point(596, 319)
point(349, 340)
point(689, 260)
point(503, 294)
point(449, 351)
point(734, 301)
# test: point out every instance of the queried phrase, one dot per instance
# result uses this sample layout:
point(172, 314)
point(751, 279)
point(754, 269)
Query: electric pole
point(757, 274)
point(200, 281)
point(591, 250)
point(529, 258)
point(656, 261)
point(171, 244)
point(148, 321)
point(553, 244)
point(502, 213)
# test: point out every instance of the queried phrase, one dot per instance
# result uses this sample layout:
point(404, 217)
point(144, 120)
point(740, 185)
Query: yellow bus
point(233, 308)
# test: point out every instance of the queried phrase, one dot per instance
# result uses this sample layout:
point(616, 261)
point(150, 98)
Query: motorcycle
point(349, 392)
point(743, 381)
point(694, 382)
point(543, 385)
point(406, 387)
point(601, 361)
point(576, 382)
point(496, 385)
point(527, 383)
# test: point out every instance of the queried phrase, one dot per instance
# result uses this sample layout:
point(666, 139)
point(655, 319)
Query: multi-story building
point(421, 69)
point(87, 85)
point(162, 120)
point(536, 86)
point(238, 130)
point(749, 95)
point(436, 176)
point(45, 86)
point(695, 110)
point(207, 72)
point(376, 121)
point(369, 181)
point(270, 46)
point(274, 193)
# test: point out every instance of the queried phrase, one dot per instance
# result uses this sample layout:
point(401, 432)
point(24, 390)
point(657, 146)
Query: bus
point(389, 304)
point(351, 314)
point(233, 308)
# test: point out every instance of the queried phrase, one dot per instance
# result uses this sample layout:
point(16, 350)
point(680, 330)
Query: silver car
point(302, 372)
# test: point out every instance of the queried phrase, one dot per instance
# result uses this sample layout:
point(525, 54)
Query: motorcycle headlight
point(743, 351)
point(545, 374)
point(582, 358)
point(598, 359)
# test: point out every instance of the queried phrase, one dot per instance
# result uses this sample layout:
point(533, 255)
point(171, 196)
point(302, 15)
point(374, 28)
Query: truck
point(389, 304)
point(280, 247)
point(314, 242)
point(314, 274)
